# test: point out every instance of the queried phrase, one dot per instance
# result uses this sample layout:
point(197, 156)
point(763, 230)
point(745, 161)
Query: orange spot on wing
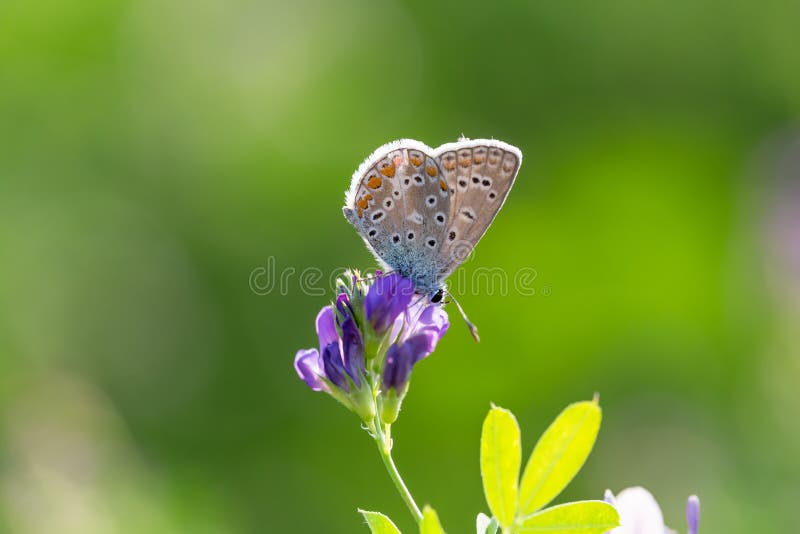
point(465, 162)
point(416, 161)
point(442, 185)
point(449, 165)
point(364, 202)
point(479, 160)
point(388, 171)
point(431, 170)
point(374, 182)
point(360, 213)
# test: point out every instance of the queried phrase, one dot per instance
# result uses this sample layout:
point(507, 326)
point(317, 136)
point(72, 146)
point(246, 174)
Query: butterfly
point(421, 210)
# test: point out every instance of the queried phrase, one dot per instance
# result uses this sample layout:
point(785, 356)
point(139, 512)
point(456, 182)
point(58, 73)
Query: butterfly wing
point(479, 173)
point(400, 205)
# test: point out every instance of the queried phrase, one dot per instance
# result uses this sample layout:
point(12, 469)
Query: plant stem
point(382, 440)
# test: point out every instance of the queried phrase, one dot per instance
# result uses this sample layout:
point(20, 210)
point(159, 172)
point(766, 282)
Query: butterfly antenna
point(472, 328)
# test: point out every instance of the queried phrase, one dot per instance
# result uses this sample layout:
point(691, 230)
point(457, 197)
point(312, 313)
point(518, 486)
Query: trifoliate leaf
point(501, 457)
point(559, 455)
point(379, 523)
point(583, 517)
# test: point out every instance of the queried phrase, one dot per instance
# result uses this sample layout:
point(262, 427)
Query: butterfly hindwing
point(479, 173)
point(400, 205)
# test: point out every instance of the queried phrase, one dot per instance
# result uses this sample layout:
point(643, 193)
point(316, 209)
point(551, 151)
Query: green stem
point(382, 440)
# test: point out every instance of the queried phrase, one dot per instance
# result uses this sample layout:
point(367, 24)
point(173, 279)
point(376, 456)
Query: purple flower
point(339, 359)
point(431, 319)
point(401, 357)
point(423, 327)
point(369, 341)
point(416, 334)
point(387, 298)
point(308, 362)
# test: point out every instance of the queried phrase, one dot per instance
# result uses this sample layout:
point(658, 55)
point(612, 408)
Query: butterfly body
point(421, 211)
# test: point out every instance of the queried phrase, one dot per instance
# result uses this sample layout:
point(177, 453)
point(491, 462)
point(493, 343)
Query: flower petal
point(343, 306)
point(425, 317)
point(434, 319)
point(326, 328)
point(353, 350)
point(400, 359)
point(639, 512)
point(386, 299)
point(308, 367)
point(334, 367)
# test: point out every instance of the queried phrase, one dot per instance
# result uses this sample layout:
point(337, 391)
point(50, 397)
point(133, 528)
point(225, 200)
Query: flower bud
point(693, 514)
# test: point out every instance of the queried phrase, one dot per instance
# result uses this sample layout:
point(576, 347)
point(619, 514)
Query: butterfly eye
point(437, 297)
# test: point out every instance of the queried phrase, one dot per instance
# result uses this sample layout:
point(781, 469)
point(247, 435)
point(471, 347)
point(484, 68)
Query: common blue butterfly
point(421, 211)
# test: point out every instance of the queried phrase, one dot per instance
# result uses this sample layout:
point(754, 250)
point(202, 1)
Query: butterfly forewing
point(400, 204)
point(479, 174)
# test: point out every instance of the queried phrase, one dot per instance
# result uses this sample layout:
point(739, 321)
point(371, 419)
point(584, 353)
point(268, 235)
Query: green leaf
point(379, 523)
point(501, 457)
point(559, 455)
point(485, 525)
point(430, 522)
point(583, 517)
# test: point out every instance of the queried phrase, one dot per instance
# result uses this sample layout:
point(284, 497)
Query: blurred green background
point(154, 154)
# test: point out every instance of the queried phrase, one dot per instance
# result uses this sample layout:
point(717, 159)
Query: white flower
point(639, 512)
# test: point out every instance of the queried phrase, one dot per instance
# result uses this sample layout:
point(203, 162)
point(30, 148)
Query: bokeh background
point(155, 154)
